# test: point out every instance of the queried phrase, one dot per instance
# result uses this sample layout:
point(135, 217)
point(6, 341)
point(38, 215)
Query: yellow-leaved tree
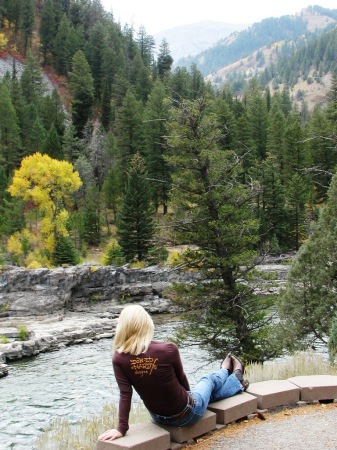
point(46, 184)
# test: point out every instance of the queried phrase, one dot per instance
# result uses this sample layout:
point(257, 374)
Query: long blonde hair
point(134, 330)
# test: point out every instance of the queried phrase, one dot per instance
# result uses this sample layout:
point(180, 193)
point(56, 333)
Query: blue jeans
point(210, 388)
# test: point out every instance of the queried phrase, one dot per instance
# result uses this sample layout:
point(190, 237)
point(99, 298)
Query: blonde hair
point(134, 330)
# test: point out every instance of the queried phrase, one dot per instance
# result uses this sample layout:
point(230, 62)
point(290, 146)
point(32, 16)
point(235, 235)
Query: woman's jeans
point(210, 388)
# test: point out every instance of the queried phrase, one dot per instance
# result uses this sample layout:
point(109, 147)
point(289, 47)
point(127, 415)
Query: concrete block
point(316, 387)
point(273, 393)
point(140, 436)
point(182, 434)
point(234, 408)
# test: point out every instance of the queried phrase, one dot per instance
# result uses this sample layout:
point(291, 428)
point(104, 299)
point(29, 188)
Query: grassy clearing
point(63, 435)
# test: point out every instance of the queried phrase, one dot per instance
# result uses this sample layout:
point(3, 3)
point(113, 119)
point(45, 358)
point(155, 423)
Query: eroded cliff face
point(27, 292)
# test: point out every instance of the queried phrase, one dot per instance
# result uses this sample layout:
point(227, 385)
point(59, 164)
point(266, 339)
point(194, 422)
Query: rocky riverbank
point(44, 310)
point(56, 331)
point(47, 309)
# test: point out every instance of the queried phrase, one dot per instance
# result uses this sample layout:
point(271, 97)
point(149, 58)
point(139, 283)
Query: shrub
point(157, 255)
point(65, 252)
point(3, 339)
point(113, 255)
point(23, 332)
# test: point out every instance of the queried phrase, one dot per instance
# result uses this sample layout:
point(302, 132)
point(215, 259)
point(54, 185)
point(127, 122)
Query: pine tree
point(155, 116)
point(164, 60)
point(297, 198)
point(295, 155)
point(135, 226)
point(258, 118)
point(213, 212)
point(128, 129)
point(60, 48)
point(276, 138)
point(65, 252)
point(95, 54)
point(272, 210)
point(27, 25)
point(82, 87)
point(52, 145)
point(111, 191)
point(10, 141)
point(91, 217)
point(32, 85)
point(308, 303)
point(332, 100)
point(71, 146)
point(48, 29)
point(323, 155)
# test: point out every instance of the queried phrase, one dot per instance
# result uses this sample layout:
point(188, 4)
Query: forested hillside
point(286, 29)
point(279, 51)
point(131, 156)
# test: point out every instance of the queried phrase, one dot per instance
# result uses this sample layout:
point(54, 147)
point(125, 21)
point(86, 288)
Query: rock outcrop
point(79, 304)
point(37, 292)
point(73, 305)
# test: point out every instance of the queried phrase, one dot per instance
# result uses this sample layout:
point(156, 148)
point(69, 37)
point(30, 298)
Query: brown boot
point(237, 365)
point(227, 363)
point(239, 370)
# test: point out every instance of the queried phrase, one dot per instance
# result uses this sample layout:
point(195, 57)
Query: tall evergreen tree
point(60, 48)
point(297, 198)
point(323, 155)
point(28, 20)
point(32, 85)
point(272, 207)
point(95, 55)
point(155, 116)
point(146, 45)
point(10, 141)
point(332, 100)
point(258, 118)
point(135, 226)
point(164, 60)
point(308, 303)
point(81, 85)
point(48, 29)
point(128, 129)
point(213, 211)
point(52, 145)
point(295, 155)
point(276, 138)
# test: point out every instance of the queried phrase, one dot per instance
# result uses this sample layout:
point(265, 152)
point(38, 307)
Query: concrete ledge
point(234, 408)
point(316, 387)
point(182, 434)
point(141, 436)
point(273, 393)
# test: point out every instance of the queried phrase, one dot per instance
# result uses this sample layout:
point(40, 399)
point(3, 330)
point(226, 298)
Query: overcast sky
point(158, 15)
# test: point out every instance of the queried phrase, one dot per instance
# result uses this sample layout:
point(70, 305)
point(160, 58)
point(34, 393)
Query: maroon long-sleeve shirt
point(158, 377)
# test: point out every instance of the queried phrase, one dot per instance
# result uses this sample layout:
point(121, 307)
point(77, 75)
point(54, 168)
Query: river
point(73, 383)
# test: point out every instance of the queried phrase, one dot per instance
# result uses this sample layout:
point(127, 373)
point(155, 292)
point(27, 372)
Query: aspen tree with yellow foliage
point(46, 185)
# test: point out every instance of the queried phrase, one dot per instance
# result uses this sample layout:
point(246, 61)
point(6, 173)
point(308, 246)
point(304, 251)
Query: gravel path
point(312, 427)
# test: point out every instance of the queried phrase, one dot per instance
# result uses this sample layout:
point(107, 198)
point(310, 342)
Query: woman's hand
point(110, 435)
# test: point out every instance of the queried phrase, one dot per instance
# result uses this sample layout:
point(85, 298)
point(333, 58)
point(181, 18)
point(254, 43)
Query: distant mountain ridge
point(297, 51)
point(191, 39)
point(265, 33)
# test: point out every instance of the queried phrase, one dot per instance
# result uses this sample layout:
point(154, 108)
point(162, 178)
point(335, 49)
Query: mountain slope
point(189, 40)
point(269, 31)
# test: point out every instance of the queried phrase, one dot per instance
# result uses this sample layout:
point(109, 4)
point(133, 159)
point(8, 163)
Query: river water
point(73, 383)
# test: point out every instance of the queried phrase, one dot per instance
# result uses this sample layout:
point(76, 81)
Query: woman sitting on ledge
point(155, 370)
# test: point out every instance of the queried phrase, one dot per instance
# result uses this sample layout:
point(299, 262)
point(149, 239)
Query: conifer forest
point(128, 153)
